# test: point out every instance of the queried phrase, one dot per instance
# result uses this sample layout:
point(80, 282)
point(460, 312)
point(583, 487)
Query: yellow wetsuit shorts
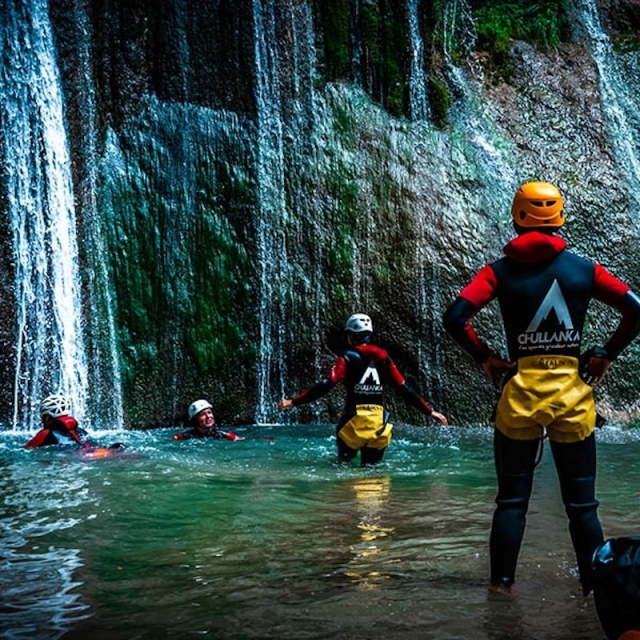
point(547, 393)
point(367, 428)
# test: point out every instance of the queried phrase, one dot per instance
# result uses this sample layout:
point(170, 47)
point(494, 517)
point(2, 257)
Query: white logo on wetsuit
point(533, 339)
point(370, 381)
point(371, 372)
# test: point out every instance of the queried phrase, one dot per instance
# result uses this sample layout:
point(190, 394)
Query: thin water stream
point(269, 538)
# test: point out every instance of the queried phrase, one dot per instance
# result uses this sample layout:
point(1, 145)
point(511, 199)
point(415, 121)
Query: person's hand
point(283, 404)
point(439, 417)
point(497, 368)
point(594, 366)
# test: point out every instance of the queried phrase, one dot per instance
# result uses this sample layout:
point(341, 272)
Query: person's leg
point(576, 466)
point(515, 464)
point(345, 453)
point(369, 455)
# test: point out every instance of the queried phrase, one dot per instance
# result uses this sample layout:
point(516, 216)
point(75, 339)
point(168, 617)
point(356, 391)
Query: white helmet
point(197, 407)
point(359, 322)
point(55, 406)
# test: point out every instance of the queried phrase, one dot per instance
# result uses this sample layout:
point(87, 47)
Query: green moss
point(439, 101)
point(336, 23)
point(627, 43)
point(543, 23)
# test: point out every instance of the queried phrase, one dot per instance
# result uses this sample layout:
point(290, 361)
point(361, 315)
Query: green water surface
point(269, 538)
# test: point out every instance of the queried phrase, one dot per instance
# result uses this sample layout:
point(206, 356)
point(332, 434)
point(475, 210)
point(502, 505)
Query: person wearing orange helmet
point(203, 424)
point(367, 370)
point(545, 382)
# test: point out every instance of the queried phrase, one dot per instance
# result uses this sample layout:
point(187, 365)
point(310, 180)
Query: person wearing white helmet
point(58, 425)
point(367, 370)
point(203, 424)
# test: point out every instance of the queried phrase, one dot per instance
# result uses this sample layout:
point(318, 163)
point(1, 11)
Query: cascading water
point(271, 210)
point(354, 35)
point(418, 101)
point(469, 116)
point(619, 105)
point(104, 375)
point(50, 355)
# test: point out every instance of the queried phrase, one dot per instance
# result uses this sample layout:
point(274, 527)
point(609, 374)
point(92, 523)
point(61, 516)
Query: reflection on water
point(270, 538)
point(366, 568)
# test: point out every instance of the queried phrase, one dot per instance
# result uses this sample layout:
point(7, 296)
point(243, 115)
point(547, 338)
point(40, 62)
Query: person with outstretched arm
point(367, 370)
point(545, 383)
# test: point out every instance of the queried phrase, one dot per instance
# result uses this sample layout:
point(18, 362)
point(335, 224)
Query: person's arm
point(410, 396)
point(613, 292)
point(229, 435)
point(320, 389)
point(457, 322)
point(618, 295)
point(43, 437)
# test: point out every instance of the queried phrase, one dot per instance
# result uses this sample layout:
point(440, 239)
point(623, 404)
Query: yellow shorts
point(546, 393)
point(367, 428)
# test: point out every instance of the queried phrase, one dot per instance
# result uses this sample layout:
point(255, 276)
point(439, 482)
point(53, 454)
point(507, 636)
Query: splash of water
point(50, 355)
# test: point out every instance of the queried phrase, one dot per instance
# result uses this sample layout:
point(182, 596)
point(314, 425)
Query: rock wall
point(255, 177)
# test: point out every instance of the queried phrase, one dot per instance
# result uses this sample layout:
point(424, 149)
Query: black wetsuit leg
point(515, 463)
point(345, 453)
point(576, 466)
point(369, 456)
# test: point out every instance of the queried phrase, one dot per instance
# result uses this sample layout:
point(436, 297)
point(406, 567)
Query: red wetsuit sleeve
point(39, 440)
point(617, 294)
point(337, 373)
point(482, 289)
point(458, 317)
point(394, 373)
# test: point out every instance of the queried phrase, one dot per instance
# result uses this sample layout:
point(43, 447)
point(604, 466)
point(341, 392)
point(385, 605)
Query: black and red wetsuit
point(543, 291)
point(367, 370)
point(62, 430)
point(213, 432)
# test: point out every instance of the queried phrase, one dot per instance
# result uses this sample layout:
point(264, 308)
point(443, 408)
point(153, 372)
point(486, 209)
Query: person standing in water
point(204, 424)
point(367, 371)
point(58, 425)
point(546, 386)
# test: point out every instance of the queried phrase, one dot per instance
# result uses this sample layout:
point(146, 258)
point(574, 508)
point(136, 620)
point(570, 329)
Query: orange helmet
point(538, 205)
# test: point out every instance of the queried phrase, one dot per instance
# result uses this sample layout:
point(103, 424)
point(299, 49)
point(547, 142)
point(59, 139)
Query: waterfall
point(418, 101)
point(271, 210)
point(469, 115)
point(104, 373)
point(50, 355)
point(620, 108)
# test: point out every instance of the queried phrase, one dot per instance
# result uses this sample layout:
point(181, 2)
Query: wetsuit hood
point(534, 247)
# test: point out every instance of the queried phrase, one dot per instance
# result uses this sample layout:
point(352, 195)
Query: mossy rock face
point(373, 212)
point(543, 23)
